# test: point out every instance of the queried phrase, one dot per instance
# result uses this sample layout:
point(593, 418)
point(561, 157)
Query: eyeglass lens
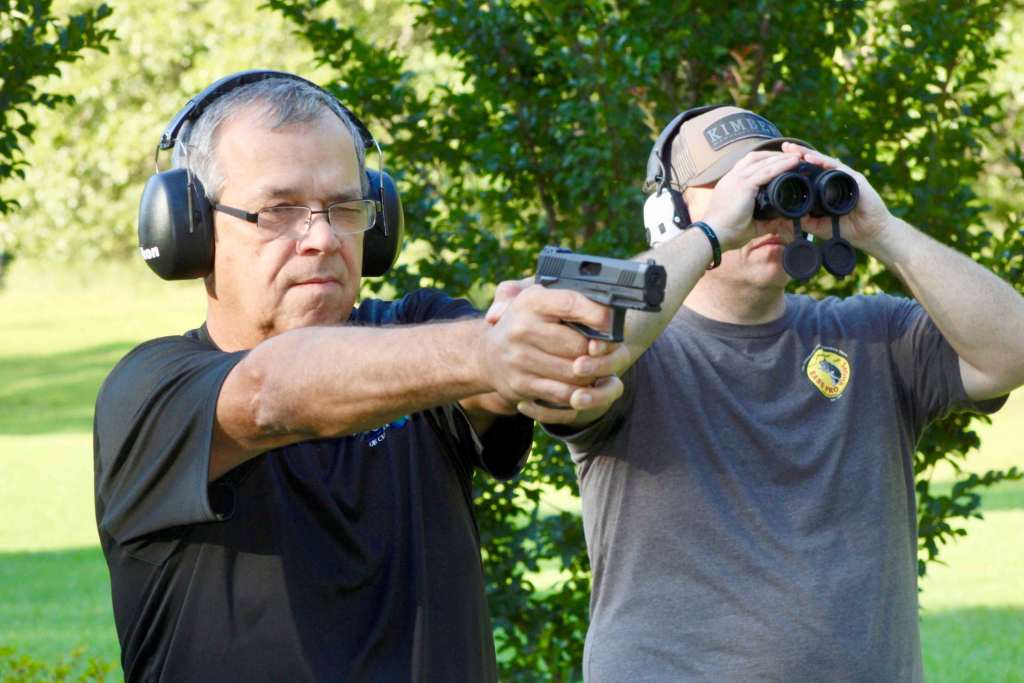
point(346, 218)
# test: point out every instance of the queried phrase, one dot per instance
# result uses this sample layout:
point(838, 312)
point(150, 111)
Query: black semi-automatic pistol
point(618, 283)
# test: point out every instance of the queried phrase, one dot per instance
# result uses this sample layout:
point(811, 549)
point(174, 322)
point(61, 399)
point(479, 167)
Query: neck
point(736, 303)
point(227, 333)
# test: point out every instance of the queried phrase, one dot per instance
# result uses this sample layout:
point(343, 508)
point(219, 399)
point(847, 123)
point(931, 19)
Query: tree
point(80, 198)
point(80, 193)
point(33, 43)
point(540, 135)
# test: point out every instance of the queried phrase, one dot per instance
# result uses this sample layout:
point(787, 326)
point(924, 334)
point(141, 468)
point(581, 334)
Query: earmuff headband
point(175, 220)
point(195, 107)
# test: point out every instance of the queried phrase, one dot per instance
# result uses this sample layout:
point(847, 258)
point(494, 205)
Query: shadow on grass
point(973, 644)
point(54, 393)
point(53, 602)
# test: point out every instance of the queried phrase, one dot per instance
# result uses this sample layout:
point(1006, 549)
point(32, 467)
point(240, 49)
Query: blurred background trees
point(514, 124)
point(33, 44)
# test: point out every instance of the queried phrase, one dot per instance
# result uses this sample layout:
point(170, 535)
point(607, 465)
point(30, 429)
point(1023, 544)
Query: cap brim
point(737, 151)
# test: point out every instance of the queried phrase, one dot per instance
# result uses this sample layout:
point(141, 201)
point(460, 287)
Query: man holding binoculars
point(749, 501)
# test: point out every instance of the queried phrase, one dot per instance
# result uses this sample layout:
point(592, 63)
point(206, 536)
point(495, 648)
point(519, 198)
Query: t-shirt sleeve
point(926, 366)
point(503, 449)
point(152, 433)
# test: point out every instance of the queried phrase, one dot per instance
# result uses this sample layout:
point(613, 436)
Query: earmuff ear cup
point(176, 220)
point(839, 257)
point(176, 229)
point(801, 259)
point(659, 218)
point(383, 241)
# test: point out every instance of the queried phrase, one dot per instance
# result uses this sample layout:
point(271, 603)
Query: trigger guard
point(591, 333)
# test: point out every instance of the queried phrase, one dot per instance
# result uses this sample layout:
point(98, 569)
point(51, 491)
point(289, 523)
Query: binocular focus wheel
point(801, 259)
point(839, 257)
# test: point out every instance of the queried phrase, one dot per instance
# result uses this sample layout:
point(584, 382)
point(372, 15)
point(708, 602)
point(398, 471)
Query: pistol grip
point(618, 327)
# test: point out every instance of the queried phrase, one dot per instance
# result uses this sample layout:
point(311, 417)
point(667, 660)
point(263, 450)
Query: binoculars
point(810, 189)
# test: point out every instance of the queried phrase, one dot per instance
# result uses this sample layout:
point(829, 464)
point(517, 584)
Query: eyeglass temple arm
point(237, 213)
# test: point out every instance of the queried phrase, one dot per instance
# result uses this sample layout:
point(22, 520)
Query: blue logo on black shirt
point(375, 437)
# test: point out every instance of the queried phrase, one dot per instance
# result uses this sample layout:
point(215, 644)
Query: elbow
point(263, 401)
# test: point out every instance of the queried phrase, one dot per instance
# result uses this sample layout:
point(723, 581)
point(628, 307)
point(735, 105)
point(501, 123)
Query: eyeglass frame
point(255, 217)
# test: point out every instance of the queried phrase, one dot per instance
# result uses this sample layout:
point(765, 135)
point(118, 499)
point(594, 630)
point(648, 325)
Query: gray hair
point(279, 102)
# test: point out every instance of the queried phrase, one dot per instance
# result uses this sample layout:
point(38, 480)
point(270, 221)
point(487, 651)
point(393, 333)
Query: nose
point(319, 235)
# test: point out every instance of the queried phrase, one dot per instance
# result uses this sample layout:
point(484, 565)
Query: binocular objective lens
point(838, 193)
point(791, 196)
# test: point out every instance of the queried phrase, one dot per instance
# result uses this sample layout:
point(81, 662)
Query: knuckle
point(518, 330)
point(503, 291)
point(617, 388)
point(516, 356)
point(578, 346)
point(566, 303)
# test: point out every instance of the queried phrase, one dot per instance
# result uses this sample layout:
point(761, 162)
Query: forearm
point(980, 315)
point(327, 381)
point(685, 259)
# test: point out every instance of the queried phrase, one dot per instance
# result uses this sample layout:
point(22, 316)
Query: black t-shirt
point(346, 559)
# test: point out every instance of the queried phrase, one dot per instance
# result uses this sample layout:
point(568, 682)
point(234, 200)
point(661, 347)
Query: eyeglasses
point(293, 222)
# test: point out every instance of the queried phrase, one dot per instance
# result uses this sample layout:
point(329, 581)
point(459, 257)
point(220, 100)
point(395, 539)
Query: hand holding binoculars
point(810, 189)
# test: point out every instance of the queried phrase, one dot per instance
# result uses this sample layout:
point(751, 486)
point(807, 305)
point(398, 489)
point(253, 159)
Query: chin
point(769, 276)
point(322, 314)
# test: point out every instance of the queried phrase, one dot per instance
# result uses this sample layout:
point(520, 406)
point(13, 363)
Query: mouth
point(318, 281)
point(768, 241)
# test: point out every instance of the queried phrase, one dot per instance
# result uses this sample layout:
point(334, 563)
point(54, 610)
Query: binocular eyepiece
point(810, 189)
point(807, 189)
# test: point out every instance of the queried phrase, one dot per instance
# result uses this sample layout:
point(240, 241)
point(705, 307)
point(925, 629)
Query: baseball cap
point(709, 144)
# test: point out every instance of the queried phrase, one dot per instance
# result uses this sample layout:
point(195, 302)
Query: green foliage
point(15, 668)
point(80, 194)
point(33, 42)
point(80, 197)
point(540, 134)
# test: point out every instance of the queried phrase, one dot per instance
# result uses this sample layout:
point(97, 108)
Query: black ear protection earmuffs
point(176, 219)
point(665, 211)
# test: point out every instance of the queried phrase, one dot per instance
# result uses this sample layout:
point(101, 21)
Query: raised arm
point(685, 258)
point(981, 316)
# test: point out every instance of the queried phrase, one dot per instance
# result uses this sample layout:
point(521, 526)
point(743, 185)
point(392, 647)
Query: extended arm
point(327, 381)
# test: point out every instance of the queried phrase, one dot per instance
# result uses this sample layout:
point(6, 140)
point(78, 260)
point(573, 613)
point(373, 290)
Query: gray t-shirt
point(749, 502)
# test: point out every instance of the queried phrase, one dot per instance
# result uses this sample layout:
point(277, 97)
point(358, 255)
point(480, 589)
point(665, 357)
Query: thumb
point(504, 293)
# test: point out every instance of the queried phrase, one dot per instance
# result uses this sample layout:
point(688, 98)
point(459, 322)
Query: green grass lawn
point(62, 332)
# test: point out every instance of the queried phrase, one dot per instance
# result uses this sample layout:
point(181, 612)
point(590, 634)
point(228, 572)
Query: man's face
point(758, 263)
point(262, 287)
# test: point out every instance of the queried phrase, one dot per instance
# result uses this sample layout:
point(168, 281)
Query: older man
point(285, 492)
